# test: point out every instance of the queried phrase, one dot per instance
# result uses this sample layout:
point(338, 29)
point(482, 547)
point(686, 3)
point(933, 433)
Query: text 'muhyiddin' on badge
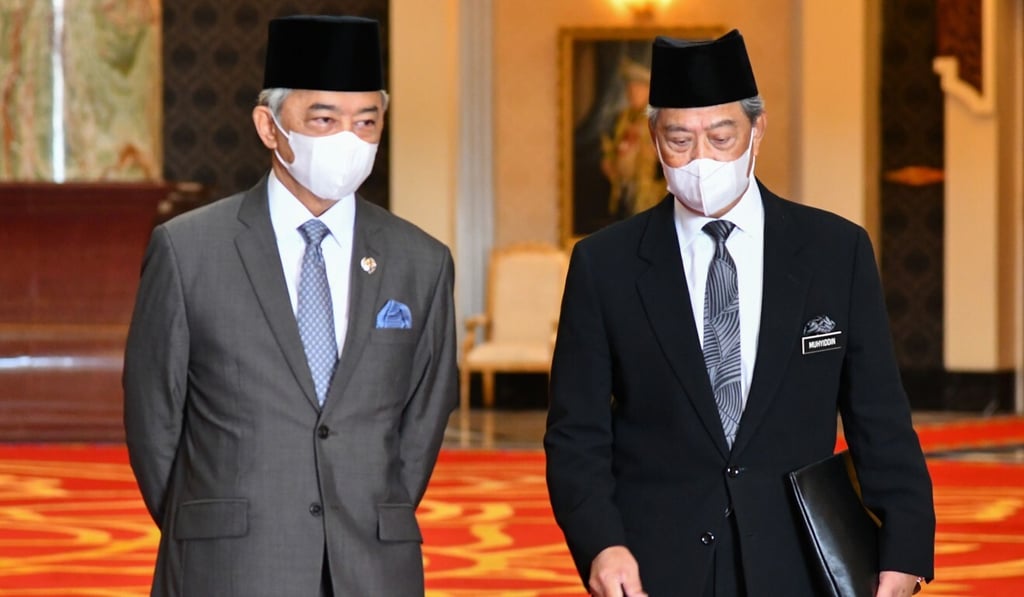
point(822, 342)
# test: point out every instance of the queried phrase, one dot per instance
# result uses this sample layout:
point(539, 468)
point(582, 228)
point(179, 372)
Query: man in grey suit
point(290, 366)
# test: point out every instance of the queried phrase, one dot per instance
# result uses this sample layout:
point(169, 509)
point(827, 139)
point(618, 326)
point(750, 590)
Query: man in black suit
point(672, 426)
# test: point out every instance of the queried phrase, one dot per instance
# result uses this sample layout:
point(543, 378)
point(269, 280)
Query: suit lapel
point(364, 289)
point(666, 302)
point(786, 282)
point(257, 246)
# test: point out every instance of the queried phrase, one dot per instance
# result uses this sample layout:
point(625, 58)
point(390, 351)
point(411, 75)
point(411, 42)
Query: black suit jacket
point(636, 454)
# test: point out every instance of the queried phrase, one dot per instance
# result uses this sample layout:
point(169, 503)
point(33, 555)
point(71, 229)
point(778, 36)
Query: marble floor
point(523, 429)
point(490, 428)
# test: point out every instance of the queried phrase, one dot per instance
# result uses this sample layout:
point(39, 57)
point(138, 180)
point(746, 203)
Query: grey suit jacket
point(248, 480)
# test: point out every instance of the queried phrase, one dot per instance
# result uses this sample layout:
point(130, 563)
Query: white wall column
point(442, 128)
point(982, 207)
point(474, 200)
point(984, 201)
point(838, 142)
point(1014, 40)
point(423, 115)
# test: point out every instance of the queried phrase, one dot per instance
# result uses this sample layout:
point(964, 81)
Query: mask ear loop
point(277, 123)
point(287, 136)
point(657, 147)
point(750, 149)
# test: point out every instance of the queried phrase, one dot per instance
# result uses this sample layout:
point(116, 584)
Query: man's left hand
point(896, 584)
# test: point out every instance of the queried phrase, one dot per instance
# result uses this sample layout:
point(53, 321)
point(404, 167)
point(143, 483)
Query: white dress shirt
point(746, 246)
point(286, 215)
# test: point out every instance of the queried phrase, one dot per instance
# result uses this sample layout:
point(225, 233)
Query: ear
point(759, 125)
point(263, 120)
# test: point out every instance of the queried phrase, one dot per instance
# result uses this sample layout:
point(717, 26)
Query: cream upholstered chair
point(517, 333)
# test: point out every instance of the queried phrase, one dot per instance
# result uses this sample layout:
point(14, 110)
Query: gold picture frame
point(608, 169)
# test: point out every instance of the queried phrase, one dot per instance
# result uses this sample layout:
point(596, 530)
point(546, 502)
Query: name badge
point(821, 342)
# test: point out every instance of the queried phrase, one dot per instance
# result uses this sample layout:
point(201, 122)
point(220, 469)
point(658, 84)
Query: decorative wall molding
point(966, 47)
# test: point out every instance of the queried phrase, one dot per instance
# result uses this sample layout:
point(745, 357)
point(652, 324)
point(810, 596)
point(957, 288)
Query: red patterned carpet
point(72, 523)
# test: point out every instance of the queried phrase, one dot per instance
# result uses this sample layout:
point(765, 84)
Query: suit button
point(733, 472)
point(315, 509)
point(323, 432)
point(707, 538)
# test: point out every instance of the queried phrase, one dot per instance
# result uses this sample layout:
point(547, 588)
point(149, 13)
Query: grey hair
point(274, 97)
point(753, 107)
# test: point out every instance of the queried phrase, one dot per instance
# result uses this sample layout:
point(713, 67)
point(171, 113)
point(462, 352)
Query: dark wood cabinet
point(71, 256)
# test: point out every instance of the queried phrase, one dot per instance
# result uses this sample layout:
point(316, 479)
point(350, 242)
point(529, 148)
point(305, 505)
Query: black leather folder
point(842, 536)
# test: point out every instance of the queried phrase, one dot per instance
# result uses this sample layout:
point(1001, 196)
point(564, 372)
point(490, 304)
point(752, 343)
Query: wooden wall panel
point(70, 256)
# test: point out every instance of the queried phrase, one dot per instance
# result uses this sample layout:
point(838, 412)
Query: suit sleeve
point(435, 392)
point(578, 441)
point(156, 372)
point(877, 425)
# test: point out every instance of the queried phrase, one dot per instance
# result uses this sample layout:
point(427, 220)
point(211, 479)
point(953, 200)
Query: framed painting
point(609, 169)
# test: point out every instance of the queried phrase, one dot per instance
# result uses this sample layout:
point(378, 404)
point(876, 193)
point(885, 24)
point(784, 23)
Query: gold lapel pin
point(369, 264)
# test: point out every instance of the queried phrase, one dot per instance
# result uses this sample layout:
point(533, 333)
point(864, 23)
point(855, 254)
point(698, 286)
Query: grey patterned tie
point(315, 314)
point(722, 330)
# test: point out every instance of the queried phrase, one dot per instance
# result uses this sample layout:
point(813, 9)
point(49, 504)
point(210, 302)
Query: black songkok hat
point(694, 74)
point(324, 53)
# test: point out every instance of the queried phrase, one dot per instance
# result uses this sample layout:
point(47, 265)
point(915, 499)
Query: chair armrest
point(473, 324)
point(475, 321)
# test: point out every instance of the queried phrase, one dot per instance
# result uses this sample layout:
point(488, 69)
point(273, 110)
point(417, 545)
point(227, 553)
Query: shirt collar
point(287, 213)
point(747, 215)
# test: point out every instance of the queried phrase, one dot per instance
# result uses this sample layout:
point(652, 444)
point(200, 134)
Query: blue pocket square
point(394, 315)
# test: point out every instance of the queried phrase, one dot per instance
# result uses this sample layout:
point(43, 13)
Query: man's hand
point(615, 573)
point(895, 584)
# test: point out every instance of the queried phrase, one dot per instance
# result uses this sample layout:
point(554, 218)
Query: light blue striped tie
point(315, 314)
point(722, 330)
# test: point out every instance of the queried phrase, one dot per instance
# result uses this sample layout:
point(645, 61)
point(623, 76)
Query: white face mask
point(331, 167)
point(708, 186)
